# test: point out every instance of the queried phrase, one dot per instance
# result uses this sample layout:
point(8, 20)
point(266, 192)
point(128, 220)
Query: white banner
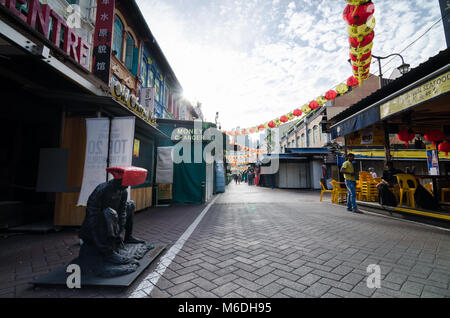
point(164, 165)
point(97, 136)
point(122, 141)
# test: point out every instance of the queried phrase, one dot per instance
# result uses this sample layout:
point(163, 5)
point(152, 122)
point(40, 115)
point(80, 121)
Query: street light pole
point(404, 68)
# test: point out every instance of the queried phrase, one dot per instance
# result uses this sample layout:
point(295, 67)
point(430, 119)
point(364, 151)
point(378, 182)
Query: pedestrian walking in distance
point(350, 181)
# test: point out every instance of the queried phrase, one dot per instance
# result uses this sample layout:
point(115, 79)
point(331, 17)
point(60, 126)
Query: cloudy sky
point(254, 60)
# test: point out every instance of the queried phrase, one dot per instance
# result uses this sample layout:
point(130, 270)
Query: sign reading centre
point(427, 91)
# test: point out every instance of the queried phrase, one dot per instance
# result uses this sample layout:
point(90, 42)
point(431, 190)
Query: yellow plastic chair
point(429, 187)
point(339, 194)
point(324, 190)
point(406, 188)
point(358, 190)
point(369, 191)
point(443, 192)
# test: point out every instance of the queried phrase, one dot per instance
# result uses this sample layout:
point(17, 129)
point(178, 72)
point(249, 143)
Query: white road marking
point(146, 286)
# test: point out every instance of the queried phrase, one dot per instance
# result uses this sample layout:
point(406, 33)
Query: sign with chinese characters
point(103, 39)
point(123, 95)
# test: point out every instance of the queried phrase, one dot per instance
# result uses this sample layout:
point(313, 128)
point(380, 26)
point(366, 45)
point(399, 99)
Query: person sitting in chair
point(389, 173)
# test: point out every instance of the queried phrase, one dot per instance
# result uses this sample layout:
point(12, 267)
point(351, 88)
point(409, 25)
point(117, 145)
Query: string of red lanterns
point(359, 14)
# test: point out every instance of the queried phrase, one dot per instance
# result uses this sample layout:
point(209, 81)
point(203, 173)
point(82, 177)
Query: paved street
point(257, 242)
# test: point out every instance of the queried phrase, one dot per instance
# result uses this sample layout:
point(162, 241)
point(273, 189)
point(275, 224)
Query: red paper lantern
point(352, 81)
point(252, 130)
point(444, 147)
point(358, 14)
point(331, 95)
point(297, 112)
point(363, 58)
point(283, 119)
point(261, 127)
point(355, 43)
point(434, 136)
point(406, 136)
point(244, 131)
point(313, 105)
point(271, 124)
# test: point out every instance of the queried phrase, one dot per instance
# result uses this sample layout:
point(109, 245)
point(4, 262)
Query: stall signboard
point(40, 17)
point(370, 136)
point(431, 89)
point(103, 39)
point(122, 94)
point(165, 191)
point(432, 160)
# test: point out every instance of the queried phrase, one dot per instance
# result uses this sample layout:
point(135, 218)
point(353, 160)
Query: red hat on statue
point(131, 176)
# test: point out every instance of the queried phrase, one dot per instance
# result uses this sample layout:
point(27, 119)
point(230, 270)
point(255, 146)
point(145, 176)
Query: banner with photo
point(121, 142)
point(97, 136)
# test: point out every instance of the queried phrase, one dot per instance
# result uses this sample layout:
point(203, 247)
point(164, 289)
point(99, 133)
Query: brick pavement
point(24, 257)
point(258, 242)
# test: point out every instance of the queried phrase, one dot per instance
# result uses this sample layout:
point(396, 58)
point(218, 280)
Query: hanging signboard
point(97, 136)
point(431, 89)
point(147, 98)
point(103, 39)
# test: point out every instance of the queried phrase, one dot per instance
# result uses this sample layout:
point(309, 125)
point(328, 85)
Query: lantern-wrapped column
point(359, 15)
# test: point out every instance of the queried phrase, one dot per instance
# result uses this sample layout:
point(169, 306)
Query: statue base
point(90, 278)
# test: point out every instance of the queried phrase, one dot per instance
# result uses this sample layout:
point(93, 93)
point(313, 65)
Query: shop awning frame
point(352, 124)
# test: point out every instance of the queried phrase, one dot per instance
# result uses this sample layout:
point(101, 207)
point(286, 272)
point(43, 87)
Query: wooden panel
point(66, 211)
point(142, 197)
point(74, 139)
point(148, 197)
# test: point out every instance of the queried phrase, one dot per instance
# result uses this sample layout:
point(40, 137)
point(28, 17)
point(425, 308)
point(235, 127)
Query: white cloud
point(254, 60)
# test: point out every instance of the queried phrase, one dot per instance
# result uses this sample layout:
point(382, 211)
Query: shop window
point(157, 89)
point(310, 137)
point(118, 38)
point(143, 73)
point(166, 98)
point(315, 134)
point(151, 78)
point(22, 7)
point(303, 141)
point(129, 52)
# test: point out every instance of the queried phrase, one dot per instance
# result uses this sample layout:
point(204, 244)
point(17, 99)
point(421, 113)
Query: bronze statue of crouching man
point(108, 248)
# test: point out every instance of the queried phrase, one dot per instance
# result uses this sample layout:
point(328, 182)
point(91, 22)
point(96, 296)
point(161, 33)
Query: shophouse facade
point(90, 70)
